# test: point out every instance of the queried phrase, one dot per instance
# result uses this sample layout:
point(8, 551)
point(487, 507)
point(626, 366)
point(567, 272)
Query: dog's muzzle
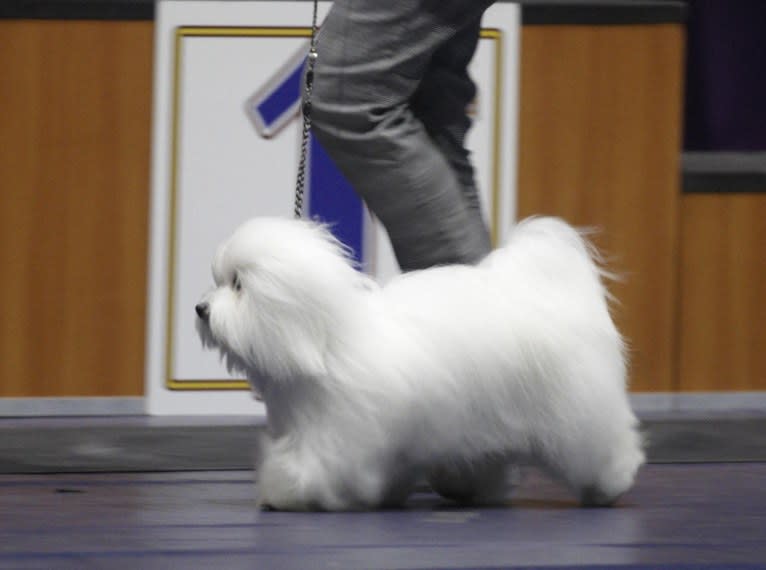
point(203, 311)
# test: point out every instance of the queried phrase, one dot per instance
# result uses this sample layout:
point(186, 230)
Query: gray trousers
point(389, 105)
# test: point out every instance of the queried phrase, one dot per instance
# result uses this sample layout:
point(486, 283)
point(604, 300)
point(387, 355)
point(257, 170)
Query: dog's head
point(282, 290)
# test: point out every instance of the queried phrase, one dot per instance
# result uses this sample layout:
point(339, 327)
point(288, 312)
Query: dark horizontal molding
point(723, 172)
point(601, 12)
point(534, 12)
point(77, 9)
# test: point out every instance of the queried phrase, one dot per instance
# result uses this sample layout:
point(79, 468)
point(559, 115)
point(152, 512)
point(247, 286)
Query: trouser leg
point(370, 114)
point(441, 101)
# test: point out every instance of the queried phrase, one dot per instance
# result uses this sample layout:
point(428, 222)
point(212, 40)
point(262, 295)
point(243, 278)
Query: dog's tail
point(561, 257)
point(556, 230)
point(558, 249)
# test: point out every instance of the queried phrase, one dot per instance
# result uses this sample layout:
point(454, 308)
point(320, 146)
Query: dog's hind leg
point(487, 481)
point(621, 459)
point(599, 465)
point(397, 491)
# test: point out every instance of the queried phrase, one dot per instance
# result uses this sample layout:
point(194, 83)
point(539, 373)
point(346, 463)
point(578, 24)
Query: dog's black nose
point(203, 311)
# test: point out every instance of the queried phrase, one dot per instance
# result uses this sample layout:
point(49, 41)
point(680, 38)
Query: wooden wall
point(74, 158)
point(600, 146)
point(722, 305)
point(599, 139)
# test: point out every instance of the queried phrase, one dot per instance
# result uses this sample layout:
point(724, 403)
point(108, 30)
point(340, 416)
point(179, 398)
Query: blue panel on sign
point(281, 98)
point(334, 201)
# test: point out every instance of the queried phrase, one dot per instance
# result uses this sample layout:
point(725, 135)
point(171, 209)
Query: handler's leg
point(373, 56)
point(441, 102)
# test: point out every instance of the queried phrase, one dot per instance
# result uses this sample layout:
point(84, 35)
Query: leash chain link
point(311, 60)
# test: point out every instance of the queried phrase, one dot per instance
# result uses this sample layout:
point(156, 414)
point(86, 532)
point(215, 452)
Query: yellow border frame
point(497, 36)
point(281, 32)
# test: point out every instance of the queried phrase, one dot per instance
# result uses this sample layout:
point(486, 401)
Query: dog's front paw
point(279, 499)
point(288, 504)
point(284, 489)
point(272, 504)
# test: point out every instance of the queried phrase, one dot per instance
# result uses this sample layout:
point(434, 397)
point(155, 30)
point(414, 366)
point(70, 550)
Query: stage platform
point(677, 516)
point(146, 493)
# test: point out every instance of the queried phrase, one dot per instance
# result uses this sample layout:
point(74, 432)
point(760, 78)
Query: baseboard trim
point(702, 402)
point(643, 403)
point(41, 407)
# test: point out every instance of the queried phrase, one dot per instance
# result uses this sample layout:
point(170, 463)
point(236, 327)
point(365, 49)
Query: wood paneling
point(723, 292)
point(74, 157)
point(599, 145)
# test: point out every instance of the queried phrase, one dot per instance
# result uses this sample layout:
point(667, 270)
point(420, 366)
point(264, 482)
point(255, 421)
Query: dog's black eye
point(236, 283)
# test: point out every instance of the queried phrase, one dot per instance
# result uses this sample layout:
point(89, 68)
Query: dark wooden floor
point(685, 516)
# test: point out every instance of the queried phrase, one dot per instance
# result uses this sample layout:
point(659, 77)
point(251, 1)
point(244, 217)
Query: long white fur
point(451, 373)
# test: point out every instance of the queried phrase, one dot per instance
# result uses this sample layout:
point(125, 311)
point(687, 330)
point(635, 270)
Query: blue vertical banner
point(333, 200)
point(329, 196)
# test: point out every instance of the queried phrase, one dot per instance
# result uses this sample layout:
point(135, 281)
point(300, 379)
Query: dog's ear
point(309, 356)
point(304, 348)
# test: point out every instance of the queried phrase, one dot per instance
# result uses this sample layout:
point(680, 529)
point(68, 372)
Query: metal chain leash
point(309, 82)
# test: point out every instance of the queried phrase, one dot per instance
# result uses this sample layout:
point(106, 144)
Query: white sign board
point(226, 142)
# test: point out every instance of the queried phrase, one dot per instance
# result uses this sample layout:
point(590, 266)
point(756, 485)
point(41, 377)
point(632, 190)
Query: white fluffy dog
point(450, 373)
